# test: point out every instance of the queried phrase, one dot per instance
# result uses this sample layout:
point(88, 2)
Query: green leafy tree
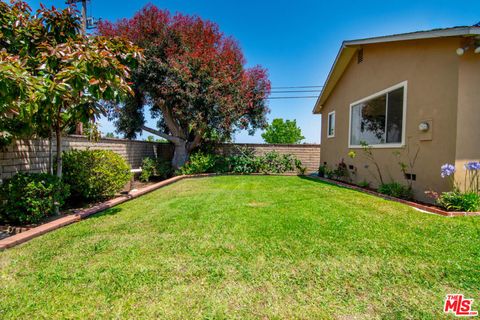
point(280, 131)
point(53, 75)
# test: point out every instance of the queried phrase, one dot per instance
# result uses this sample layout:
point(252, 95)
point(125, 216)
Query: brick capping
point(76, 136)
point(424, 207)
point(292, 145)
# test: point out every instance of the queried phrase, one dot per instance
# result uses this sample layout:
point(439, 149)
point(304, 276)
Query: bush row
point(88, 175)
point(28, 198)
point(245, 162)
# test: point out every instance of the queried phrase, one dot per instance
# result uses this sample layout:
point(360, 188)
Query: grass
point(244, 247)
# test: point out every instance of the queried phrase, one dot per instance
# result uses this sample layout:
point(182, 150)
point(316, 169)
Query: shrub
point(148, 169)
point(364, 184)
point(301, 169)
point(202, 163)
point(321, 170)
point(458, 201)
point(94, 174)
point(273, 162)
point(155, 168)
point(29, 198)
point(341, 172)
point(396, 190)
point(329, 173)
point(245, 162)
point(163, 169)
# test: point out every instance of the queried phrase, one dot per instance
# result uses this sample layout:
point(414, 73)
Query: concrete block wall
point(32, 155)
point(309, 154)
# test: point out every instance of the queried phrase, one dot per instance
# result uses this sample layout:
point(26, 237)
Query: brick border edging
point(82, 214)
point(429, 209)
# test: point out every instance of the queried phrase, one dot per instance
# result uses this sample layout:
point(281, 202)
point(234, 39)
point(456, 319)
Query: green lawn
point(263, 247)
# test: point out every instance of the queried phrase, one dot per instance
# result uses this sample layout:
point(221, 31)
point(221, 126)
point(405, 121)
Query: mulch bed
point(9, 230)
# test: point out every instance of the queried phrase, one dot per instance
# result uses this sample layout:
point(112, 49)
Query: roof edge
point(435, 33)
point(353, 44)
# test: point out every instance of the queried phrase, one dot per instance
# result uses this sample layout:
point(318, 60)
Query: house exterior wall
point(468, 117)
point(430, 68)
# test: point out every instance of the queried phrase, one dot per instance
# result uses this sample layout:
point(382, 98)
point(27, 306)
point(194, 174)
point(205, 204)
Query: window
point(379, 120)
point(331, 125)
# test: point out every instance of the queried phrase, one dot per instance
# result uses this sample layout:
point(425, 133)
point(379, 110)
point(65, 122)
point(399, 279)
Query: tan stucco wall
point(468, 118)
point(431, 68)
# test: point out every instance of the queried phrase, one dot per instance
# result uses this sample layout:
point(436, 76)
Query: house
point(403, 93)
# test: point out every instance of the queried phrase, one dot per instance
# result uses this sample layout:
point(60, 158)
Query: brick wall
point(32, 155)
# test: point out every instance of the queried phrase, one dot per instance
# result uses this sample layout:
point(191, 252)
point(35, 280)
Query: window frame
point(328, 124)
point(404, 85)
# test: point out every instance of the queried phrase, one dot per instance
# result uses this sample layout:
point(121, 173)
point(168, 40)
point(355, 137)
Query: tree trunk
point(58, 135)
point(182, 147)
point(50, 156)
point(79, 129)
point(180, 154)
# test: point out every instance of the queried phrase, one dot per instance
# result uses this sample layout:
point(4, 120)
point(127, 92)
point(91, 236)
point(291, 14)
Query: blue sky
point(297, 41)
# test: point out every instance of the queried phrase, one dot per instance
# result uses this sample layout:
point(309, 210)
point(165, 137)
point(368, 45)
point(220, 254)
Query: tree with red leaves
point(194, 80)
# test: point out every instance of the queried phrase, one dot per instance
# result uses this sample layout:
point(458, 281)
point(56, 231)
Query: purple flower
point(447, 170)
point(473, 165)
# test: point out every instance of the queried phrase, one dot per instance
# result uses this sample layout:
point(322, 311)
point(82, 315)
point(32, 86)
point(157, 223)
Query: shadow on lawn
point(313, 179)
point(106, 212)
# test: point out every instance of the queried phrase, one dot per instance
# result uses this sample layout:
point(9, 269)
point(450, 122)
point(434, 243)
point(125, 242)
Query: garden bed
point(11, 230)
point(430, 208)
point(12, 235)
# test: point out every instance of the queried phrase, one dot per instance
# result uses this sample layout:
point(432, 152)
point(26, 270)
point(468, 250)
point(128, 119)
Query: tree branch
point(163, 135)
point(170, 121)
point(196, 141)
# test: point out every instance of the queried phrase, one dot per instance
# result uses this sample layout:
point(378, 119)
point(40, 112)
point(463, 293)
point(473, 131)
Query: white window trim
point(328, 124)
point(403, 84)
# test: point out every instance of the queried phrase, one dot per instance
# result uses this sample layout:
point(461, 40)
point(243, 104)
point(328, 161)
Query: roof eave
point(342, 59)
point(440, 33)
point(335, 74)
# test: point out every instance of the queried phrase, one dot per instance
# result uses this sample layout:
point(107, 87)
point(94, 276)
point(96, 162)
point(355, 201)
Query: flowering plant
point(448, 171)
point(472, 177)
point(469, 200)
